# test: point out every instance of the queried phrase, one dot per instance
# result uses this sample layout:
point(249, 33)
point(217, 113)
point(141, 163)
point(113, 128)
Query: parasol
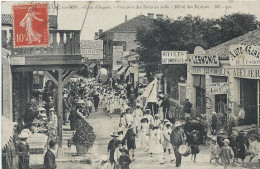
point(7, 131)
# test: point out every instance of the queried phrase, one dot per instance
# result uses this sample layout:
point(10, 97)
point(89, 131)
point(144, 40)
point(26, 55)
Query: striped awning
point(122, 70)
point(7, 131)
point(116, 67)
point(92, 65)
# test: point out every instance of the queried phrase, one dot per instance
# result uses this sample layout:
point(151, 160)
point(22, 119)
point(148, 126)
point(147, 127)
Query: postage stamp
point(30, 24)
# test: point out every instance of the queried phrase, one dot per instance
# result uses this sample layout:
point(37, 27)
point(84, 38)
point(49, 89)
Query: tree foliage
point(184, 34)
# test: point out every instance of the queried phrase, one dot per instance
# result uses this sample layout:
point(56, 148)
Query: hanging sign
point(174, 57)
point(117, 53)
point(91, 49)
point(203, 60)
point(219, 88)
point(240, 55)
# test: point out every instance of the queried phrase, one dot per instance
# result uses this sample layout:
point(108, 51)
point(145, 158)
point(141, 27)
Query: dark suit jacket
point(49, 160)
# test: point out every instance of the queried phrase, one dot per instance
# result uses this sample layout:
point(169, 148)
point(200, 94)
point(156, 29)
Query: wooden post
point(60, 153)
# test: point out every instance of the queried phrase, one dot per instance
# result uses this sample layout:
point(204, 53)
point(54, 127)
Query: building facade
point(235, 81)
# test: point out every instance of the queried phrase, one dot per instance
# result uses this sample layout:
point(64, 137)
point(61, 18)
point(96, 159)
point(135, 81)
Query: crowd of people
point(150, 127)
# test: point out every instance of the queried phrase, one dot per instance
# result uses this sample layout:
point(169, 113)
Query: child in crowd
point(89, 105)
point(118, 153)
point(214, 150)
point(166, 132)
point(124, 159)
point(226, 153)
point(255, 150)
point(194, 143)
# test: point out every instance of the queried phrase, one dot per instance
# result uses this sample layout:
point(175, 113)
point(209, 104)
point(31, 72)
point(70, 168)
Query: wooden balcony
point(63, 49)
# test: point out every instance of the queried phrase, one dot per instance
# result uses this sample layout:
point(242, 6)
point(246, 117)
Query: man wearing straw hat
point(23, 150)
point(112, 145)
point(178, 138)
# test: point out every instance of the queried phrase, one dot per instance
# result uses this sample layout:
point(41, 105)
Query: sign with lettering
point(174, 57)
point(210, 71)
point(203, 60)
point(219, 88)
point(244, 55)
point(246, 73)
point(17, 60)
point(91, 49)
point(117, 53)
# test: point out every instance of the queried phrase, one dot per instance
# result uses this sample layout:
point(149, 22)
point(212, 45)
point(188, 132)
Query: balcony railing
point(61, 42)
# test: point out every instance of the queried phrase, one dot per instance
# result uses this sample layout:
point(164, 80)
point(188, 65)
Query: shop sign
point(203, 60)
point(219, 88)
point(91, 49)
point(209, 71)
point(246, 73)
point(17, 60)
point(117, 53)
point(244, 55)
point(174, 57)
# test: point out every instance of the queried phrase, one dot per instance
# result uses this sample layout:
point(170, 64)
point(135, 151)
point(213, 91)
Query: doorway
point(248, 99)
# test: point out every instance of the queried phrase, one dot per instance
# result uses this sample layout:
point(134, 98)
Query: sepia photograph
point(130, 84)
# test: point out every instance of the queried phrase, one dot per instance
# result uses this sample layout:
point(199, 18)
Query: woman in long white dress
point(27, 22)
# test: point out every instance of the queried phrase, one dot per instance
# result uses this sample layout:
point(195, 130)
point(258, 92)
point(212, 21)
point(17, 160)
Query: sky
point(105, 15)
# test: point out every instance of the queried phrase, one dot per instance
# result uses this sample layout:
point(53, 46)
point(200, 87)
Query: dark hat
point(52, 143)
point(123, 150)
point(144, 119)
point(114, 135)
point(229, 109)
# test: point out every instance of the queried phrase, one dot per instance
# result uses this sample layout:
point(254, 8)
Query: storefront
point(234, 81)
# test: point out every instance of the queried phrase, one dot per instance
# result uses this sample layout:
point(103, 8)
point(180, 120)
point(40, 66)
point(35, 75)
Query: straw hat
point(25, 133)
point(52, 109)
point(214, 139)
point(165, 120)
point(41, 109)
point(226, 141)
point(177, 124)
point(137, 105)
point(214, 112)
point(221, 132)
point(114, 135)
point(80, 102)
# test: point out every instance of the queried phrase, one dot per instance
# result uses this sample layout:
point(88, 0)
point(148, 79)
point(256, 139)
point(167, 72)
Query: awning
point(116, 67)
point(92, 65)
point(122, 70)
point(142, 75)
point(7, 131)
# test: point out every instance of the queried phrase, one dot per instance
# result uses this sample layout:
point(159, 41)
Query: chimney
point(150, 15)
point(96, 34)
point(125, 18)
point(100, 31)
point(159, 16)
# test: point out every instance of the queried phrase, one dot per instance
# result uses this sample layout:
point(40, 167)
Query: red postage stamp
point(30, 24)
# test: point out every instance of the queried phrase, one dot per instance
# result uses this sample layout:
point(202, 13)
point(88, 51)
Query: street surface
point(104, 126)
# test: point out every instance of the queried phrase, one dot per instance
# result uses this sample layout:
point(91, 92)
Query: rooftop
point(131, 25)
point(7, 19)
point(250, 38)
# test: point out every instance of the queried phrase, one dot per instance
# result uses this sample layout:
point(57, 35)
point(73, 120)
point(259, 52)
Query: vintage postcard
point(130, 84)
